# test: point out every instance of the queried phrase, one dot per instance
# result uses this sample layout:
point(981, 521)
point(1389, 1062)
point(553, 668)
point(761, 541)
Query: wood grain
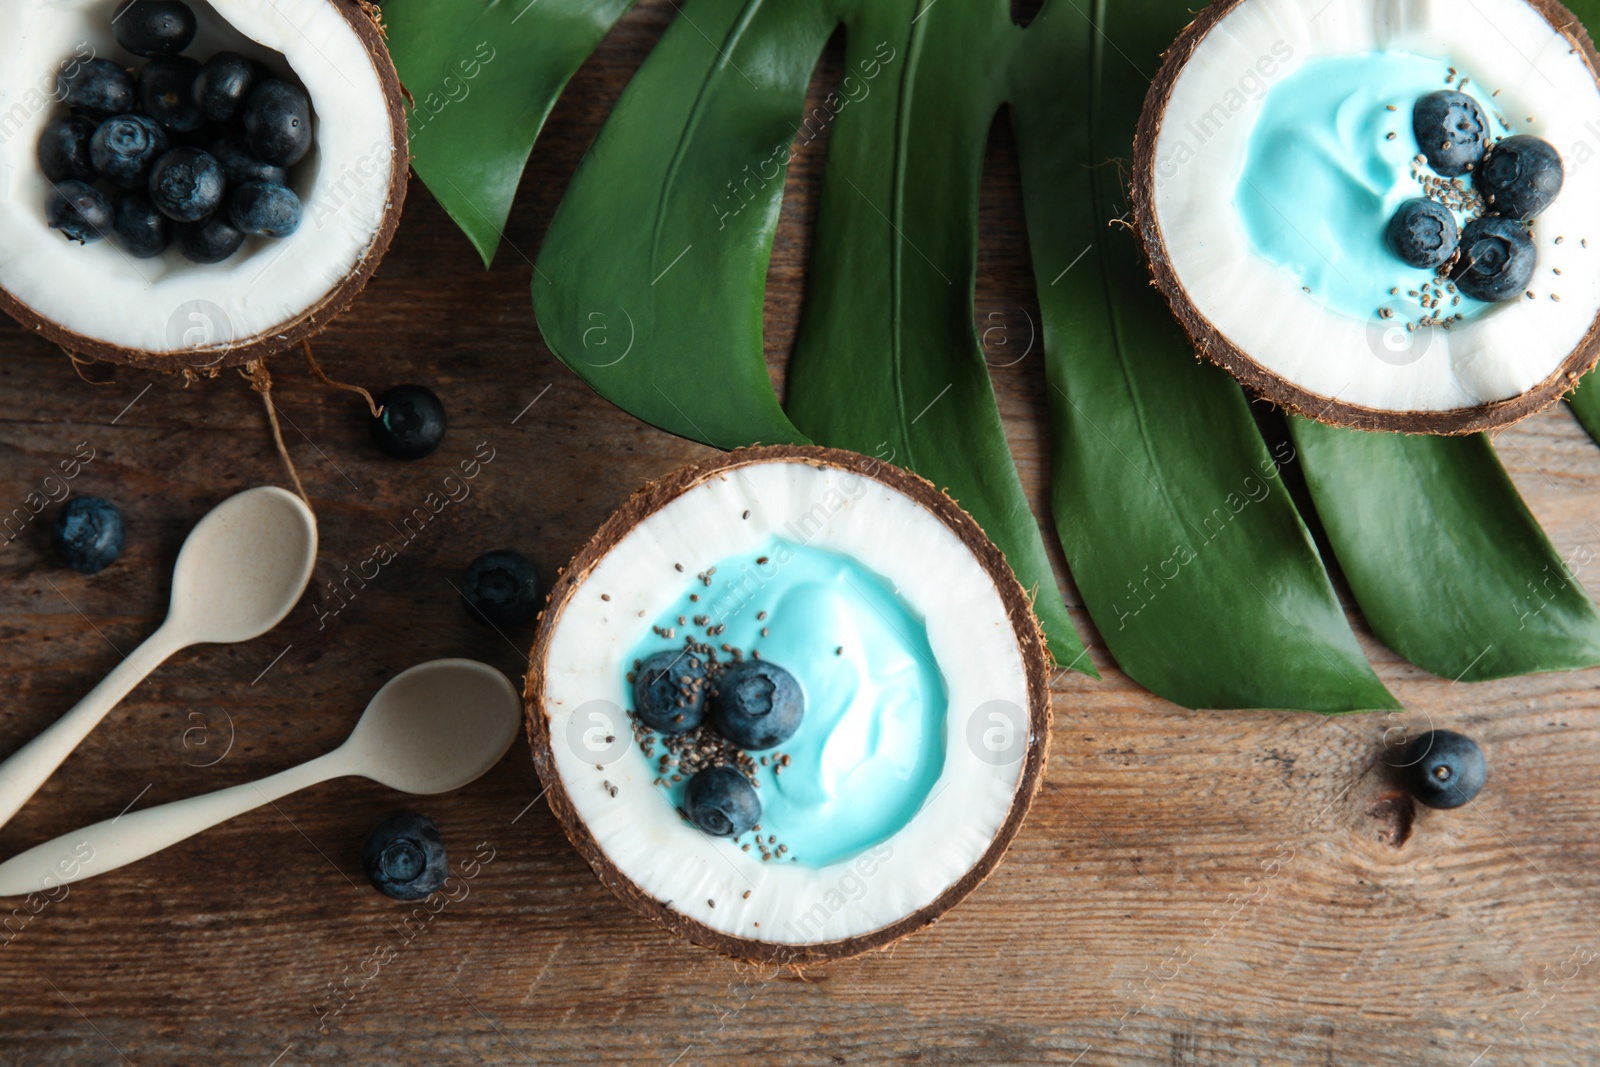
point(1191, 888)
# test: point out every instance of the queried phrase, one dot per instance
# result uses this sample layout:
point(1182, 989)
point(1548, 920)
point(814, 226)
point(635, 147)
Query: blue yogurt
point(872, 743)
point(1322, 178)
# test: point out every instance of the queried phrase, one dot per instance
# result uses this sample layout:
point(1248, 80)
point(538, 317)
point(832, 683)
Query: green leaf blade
point(1450, 567)
point(651, 281)
point(484, 76)
point(887, 360)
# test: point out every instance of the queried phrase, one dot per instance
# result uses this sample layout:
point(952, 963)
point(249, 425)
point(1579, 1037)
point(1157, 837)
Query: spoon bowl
point(243, 567)
point(436, 727)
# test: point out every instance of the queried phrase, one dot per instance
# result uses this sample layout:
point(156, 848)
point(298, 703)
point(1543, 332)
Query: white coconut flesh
point(710, 879)
point(168, 304)
point(1545, 88)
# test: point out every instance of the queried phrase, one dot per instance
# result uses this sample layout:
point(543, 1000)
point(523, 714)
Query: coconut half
point(993, 730)
point(1532, 64)
point(97, 302)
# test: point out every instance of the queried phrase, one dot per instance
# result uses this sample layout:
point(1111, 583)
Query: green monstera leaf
point(483, 76)
point(1188, 551)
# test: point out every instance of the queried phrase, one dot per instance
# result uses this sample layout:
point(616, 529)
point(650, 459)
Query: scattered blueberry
point(659, 700)
point(502, 588)
point(125, 147)
point(88, 534)
point(1497, 259)
point(207, 241)
point(186, 184)
point(79, 210)
point(405, 857)
point(223, 86)
point(1520, 177)
point(1422, 233)
point(722, 802)
point(240, 166)
point(99, 87)
point(412, 423)
point(757, 705)
point(64, 149)
point(141, 230)
point(1451, 131)
point(154, 27)
point(166, 92)
point(264, 209)
point(277, 123)
point(1443, 769)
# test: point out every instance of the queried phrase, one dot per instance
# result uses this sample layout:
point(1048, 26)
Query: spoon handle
point(133, 835)
point(26, 769)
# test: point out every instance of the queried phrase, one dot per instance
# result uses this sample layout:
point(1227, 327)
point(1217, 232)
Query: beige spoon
point(431, 729)
point(240, 571)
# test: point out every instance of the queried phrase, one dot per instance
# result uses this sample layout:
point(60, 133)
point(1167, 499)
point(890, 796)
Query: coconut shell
point(312, 320)
point(650, 499)
point(1219, 349)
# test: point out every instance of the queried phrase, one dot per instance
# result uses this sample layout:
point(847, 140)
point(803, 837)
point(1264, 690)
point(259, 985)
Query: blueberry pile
point(196, 155)
point(1492, 257)
point(752, 704)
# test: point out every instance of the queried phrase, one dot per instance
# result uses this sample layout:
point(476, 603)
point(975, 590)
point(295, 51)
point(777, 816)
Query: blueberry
point(241, 167)
point(1443, 769)
point(124, 148)
point(1520, 177)
point(223, 86)
point(277, 123)
point(1422, 233)
point(141, 230)
point(412, 423)
point(757, 705)
point(405, 857)
point(166, 92)
point(1451, 131)
point(186, 184)
point(87, 534)
point(207, 241)
point(99, 87)
point(264, 209)
point(659, 700)
point(79, 210)
point(154, 27)
point(722, 802)
point(1497, 259)
point(501, 588)
point(64, 149)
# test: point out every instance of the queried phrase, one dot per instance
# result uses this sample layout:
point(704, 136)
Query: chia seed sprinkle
point(605, 596)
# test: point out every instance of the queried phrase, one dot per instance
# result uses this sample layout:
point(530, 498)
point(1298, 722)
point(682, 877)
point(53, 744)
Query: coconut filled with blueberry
point(1388, 223)
point(189, 185)
point(790, 704)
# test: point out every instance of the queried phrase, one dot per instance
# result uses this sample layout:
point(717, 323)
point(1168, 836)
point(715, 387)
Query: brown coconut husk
point(650, 499)
point(1216, 346)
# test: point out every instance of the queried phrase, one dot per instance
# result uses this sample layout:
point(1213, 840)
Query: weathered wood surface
point(1191, 888)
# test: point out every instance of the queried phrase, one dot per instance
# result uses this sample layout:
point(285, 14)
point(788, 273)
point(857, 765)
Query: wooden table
point(1192, 888)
